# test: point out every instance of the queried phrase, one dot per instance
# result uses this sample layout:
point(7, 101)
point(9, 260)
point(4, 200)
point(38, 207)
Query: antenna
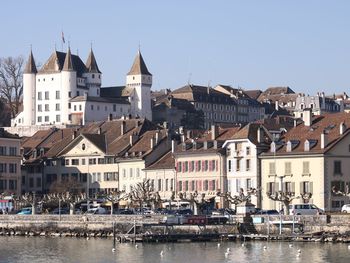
point(189, 78)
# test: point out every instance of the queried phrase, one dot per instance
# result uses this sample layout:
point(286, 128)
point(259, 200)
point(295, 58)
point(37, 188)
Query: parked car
point(183, 212)
point(346, 208)
point(267, 212)
point(25, 211)
point(96, 211)
point(124, 212)
point(64, 211)
point(223, 212)
point(305, 209)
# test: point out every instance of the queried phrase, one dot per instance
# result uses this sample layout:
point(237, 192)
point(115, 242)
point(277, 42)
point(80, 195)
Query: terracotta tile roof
point(167, 161)
point(253, 94)
point(330, 123)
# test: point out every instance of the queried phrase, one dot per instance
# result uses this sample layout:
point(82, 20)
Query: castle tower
point(140, 79)
point(29, 83)
point(69, 86)
point(93, 75)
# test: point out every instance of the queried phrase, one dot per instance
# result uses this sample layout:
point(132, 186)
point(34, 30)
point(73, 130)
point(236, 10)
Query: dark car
point(124, 212)
point(183, 212)
point(267, 212)
point(64, 211)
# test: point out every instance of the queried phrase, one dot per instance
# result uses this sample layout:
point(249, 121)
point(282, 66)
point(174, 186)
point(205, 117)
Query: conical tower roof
point(91, 63)
point(68, 62)
point(139, 66)
point(30, 66)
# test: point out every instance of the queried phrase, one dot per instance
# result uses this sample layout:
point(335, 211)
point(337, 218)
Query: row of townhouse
point(10, 163)
point(308, 157)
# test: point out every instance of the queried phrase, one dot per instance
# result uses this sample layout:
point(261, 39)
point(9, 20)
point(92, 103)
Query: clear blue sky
point(252, 44)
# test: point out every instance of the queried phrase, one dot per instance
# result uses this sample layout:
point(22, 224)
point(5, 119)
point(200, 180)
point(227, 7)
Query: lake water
point(51, 250)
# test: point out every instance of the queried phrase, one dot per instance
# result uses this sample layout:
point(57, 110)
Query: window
point(179, 167)
point(271, 187)
point(80, 108)
point(31, 182)
point(186, 166)
point(47, 95)
point(287, 168)
point(248, 183)
point(58, 107)
point(39, 119)
point(47, 119)
point(337, 167)
point(306, 168)
point(75, 107)
point(83, 161)
point(3, 167)
point(213, 167)
point(131, 172)
point(93, 76)
point(75, 161)
point(247, 164)
point(192, 166)
point(40, 96)
point(205, 185)
point(101, 161)
point(69, 106)
point(58, 118)
point(92, 160)
point(137, 172)
point(114, 107)
point(66, 162)
point(40, 108)
point(78, 93)
point(229, 165)
point(58, 95)
point(338, 186)
point(92, 107)
point(69, 94)
point(206, 165)
point(12, 168)
point(38, 182)
point(238, 166)
point(247, 150)
point(13, 151)
point(306, 187)
point(47, 107)
point(272, 168)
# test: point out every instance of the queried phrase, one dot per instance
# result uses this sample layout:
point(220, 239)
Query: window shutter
point(197, 164)
point(268, 188)
point(203, 165)
point(217, 185)
point(293, 187)
point(311, 187)
point(210, 166)
point(190, 166)
point(216, 165)
point(183, 167)
point(302, 190)
point(210, 185)
point(177, 167)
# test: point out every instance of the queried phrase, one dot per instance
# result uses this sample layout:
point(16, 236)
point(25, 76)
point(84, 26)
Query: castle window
point(57, 106)
point(69, 105)
point(39, 119)
point(80, 107)
point(93, 76)
point(51, 79)
point(78, 93)
point(69, 94)
point(98, 91)
point(92, 107)
point(99, 76)
point(114, 107)
point(58, 95)
point(47, 119)
point(75, 107)
point(47, 95)
point(58, 118)
point(98, 107)
point(47, 107)
point(39, 96)
point(133, 78)
point(40, 108)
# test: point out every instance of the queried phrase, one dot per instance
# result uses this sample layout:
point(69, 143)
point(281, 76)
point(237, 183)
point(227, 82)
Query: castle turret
point(29, 84)
point(69, 86)
point(140, 79)
point(93, 75)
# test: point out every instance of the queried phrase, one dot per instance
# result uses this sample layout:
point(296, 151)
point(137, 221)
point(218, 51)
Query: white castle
point(65, 91)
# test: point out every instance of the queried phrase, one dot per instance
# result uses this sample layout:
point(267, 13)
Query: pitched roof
point(56, 61)
point(91, 64)
point(328, 124)
point(99, 140)
point(100, 99)
point(167, 161)
point(202, 94)
point(30, 66)
point(116, 91)
point(139, 66)
point(68, 63)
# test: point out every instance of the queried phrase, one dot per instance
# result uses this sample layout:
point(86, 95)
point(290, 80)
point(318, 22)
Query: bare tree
point(71, 185)
point(240, 198)
point(143, 193)
point(116, 196)
point(284, 197)
point(195, 199)
point(11, 83)
point(346, 192)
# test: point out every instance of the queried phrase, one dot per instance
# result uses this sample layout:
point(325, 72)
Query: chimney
point(205, 145)
point(188, 134)
point(307, 115)
point(276, 105)
point(157, 137)
point(324, 141)
point(214, 131)
point(99, 131)
point(74, 135)
point(295, 123)
point(259, 135)
point(342, 128)
point(172, 146)
point(133, 139)
point(307, 145)
point(122, 128)
point(215, 144)
point(152, 143)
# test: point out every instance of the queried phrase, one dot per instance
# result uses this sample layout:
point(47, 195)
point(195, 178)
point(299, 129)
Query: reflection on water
point(29, 249)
